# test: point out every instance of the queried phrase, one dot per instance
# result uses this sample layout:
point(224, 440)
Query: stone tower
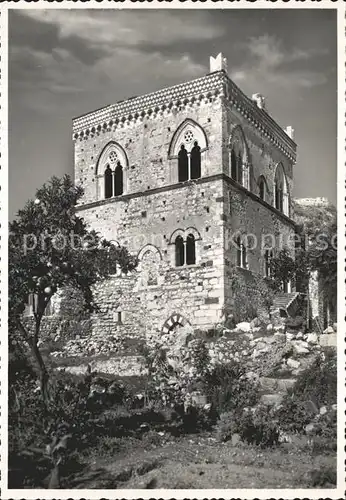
point(182, 177)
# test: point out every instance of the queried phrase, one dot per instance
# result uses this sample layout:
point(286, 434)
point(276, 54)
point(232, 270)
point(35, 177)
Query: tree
point(50, 247)
point(285, 268)
point(322, 256)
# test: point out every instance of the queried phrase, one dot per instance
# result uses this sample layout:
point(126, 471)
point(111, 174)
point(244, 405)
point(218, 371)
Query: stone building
point(187, 178)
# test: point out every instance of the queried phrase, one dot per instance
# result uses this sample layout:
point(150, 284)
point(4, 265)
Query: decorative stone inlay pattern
point(193, 93)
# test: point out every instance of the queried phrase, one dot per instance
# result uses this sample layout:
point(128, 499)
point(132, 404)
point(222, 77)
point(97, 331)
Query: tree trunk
point(43, 373)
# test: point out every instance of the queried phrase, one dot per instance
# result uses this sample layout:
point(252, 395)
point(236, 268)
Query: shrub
point(255, 426)
point(294, 415)
point(228, 388)
point(318, 383)
point(297, 323)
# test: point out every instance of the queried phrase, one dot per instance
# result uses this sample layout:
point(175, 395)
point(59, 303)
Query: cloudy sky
point(64, 63)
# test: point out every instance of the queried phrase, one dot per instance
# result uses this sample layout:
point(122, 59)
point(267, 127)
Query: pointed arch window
point(110, 171)
point(239, 166)
point(188, 146)
point(281, 196)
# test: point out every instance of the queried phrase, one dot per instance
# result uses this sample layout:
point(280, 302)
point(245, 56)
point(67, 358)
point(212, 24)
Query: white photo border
point(334, 493)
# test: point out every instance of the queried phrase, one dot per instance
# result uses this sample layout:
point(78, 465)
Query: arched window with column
point(111, 171)
point(239, 162)
point(188, 147)
point(281, 195)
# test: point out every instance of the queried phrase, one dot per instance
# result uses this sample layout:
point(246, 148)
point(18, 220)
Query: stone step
point(277, 385)
point(271, 399)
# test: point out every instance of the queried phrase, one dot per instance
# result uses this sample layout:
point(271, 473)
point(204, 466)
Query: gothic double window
point(262, 187)
point(188, 147)
point(185, 251)
point(268, 255)
point(110, 171)
point(239, 167)
point(281, 196)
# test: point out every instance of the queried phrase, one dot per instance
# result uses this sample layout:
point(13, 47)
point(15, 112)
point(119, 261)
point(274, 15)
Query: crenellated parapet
point(216, 85)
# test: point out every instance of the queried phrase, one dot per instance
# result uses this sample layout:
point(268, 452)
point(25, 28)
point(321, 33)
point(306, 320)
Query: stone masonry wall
point(147, 224)
point(146, 144)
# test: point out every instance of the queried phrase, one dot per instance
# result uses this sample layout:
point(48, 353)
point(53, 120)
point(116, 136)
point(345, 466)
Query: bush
point(294, 415)
point(297, 323)
point(318, 383)
point(229, 389)
point(256, 426)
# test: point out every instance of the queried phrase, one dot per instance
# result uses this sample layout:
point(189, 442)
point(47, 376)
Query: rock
point(279, 328)
point(235, 439)
point(300, 336)
point(309, 429)
point(328, 340)
point(279, 336)
point(323, 410)
point(243, 327)
point(271, 399)
point(254, 323)
point(293, 363)
point(249, 336)
point(256, 329)
point(301, 350)
point(290, 336)
point(312, 338)
point(269, 327)
point(334, 407)
point(328, 330)
point(184, 336)
point(335, 327)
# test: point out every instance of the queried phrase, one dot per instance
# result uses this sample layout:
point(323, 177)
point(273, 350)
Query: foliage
point(254, 426)
point(294, 415)
point(318, 383)
point(285, 268)
point(295, 323)
point(50, 247)
point(229, 389)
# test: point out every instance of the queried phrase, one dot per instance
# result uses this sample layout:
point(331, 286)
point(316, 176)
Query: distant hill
point(314, 213)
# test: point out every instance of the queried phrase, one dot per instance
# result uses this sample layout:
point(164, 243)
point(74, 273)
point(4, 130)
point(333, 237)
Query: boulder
point(300, 336)
point(269, 327)
point(329, 330)
point(243, 327)
point(290, 336)
point(312, 338)
point(300, 350)
point(293, 363)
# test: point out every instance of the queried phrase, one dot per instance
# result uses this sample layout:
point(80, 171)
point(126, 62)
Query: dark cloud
point(42, 36)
